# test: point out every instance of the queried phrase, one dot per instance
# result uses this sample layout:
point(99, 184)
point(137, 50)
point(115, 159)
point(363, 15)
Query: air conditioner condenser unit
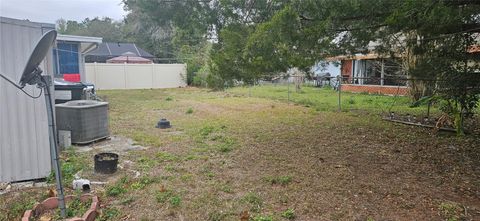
point(87, 120)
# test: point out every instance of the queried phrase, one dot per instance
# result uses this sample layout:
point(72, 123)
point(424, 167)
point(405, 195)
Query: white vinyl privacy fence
point(135, 76)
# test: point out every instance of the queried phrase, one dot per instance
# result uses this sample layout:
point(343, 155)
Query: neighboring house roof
point(474, 49)
point(129, 57)
point(355, 57)
point(111, 49)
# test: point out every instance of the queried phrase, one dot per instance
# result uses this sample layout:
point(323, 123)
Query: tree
point(107, 28)
point(431, 36)
point(194, 23)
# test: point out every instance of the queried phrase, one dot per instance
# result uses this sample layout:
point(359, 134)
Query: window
point(67, 58)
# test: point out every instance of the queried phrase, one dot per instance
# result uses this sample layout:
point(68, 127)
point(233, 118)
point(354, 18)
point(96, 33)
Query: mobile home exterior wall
point(24, 145)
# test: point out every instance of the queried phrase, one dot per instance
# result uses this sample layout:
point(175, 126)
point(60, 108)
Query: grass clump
point(451, 211)
point(226, 188)
point(118, 188)
point(127, 200)
point(226, 144)
point(165, 156)
point(16, 209)
point(281, 180)
point(142, 183)
point(175, 201)
point(146, 163)
point(189, 111)
point(206, 130)
point(288, 214)
point(263, 218)
point(254, 200)
point(71, 163)
point(216, 216)
point(109, 214)
point(76, 207)
point(169, 98)
point(164, 196)
point(186, 177)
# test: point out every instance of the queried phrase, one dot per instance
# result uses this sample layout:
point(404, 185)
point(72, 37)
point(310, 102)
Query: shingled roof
point(109, 50)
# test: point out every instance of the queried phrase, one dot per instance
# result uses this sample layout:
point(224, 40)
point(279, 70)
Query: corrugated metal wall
point(24, 145)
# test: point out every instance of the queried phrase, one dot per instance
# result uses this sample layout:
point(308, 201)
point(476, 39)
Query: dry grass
point(234, 157)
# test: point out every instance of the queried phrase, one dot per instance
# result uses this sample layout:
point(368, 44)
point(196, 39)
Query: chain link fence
point(402, 100)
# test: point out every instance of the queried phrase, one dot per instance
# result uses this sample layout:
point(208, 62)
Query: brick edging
point(52, 203)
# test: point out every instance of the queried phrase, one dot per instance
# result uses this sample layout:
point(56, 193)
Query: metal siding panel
point(24, 147)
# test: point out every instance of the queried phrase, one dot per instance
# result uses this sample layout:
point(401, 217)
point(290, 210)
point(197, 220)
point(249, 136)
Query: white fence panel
point(135, 76)
point(139, 76)
point(169, 75)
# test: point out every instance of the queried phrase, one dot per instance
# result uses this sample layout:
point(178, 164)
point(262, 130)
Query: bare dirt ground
point(239, 158)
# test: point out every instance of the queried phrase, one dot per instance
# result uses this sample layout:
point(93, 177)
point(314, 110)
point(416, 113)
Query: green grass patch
point(451, 211)
point(71, 162)
point(175, 201)
point(16, 209)
point(254, 200)
point(288, 214)
point(326, 99)
point(143, 182)
point(216, 216)
point(281, 180)
point(120, 187)
point(74, 208)
point(146, 163)
point(206, 130)
point(226, 188)
point(168, 196)
point(109, 214)
point(163, 196)
point(186, 177)
point(166, 157)
point(127, 200)
point(263, 218)
point(226, 144)
point(171, 168)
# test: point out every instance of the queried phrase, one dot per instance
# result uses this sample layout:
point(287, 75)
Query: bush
point(215, 82)
point(200, 77)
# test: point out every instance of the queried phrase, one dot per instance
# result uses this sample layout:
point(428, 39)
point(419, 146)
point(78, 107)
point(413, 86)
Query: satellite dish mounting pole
point(53, 144)
point(32, 76)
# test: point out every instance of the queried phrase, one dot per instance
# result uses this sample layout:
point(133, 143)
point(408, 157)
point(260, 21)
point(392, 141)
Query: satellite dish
point(32, 71)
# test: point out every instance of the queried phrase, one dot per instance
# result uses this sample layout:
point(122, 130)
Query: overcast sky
point(49, 11)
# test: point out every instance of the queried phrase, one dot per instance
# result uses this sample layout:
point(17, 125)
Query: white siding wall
point(24, 145)
point(135, 76)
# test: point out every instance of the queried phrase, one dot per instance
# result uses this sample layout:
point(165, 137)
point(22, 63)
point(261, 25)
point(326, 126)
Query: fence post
point(288, 86)
point(428, 109)
point(153, 77)
point(382, 73)
point(125, 74)
point(339, 79)
point(95, 75)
